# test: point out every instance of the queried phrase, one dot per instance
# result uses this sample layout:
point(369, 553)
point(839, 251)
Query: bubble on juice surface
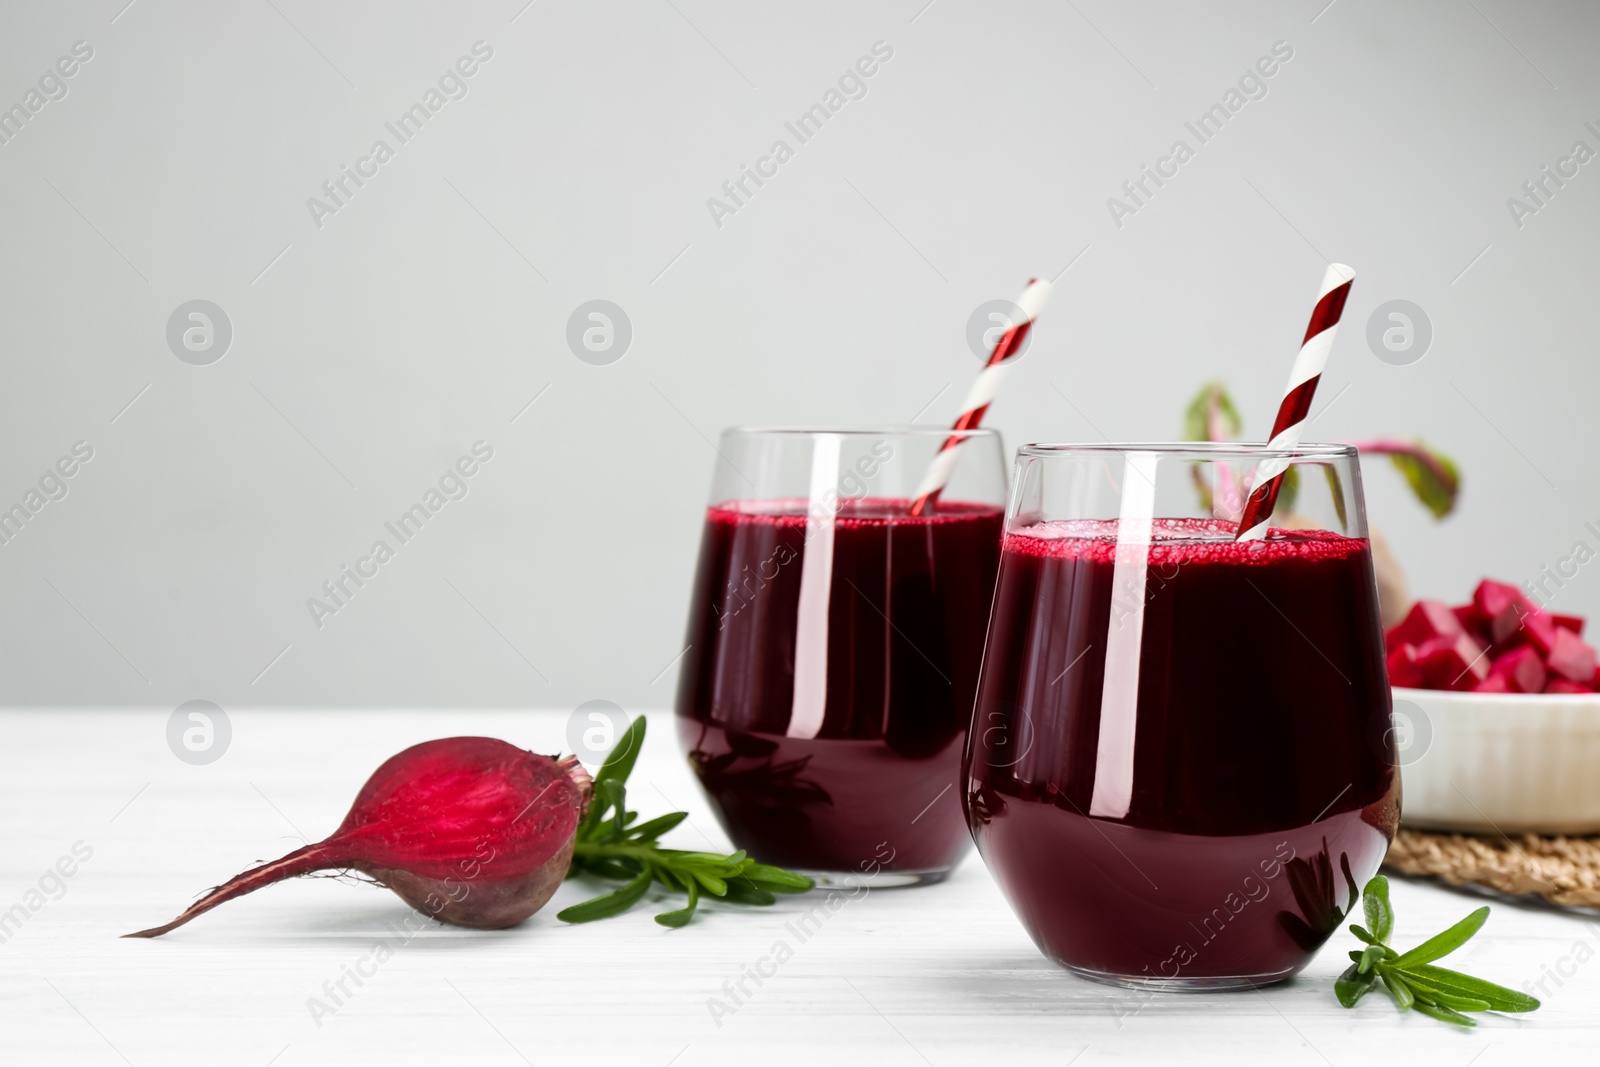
point(1183, 541)
point(865, 512)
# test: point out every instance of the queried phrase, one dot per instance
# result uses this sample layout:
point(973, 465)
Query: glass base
point(1180, 984)
point(881, 880)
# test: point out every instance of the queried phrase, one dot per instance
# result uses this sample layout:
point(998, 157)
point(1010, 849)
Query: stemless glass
point(834, 643)
point(1181, 767)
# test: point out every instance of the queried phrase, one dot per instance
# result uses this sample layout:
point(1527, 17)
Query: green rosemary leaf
point(742, 892)
point(608, 794)
point(1398, 989)
point(624, 869)
point(777, 879)
point(1443, 944)
point(1429, 995)
point(714, 885)
point(619, 763)
point(1498, 997)
point(649, 831)
point(1375, 906)
point(604, 907)
point(1443, 1014)
point(1352, 985)
point(701, 858)
point(772, 887)
point(1437, 999)
point(621, 847)
point(619, 806)
point(1410, 978)
point(682, 916)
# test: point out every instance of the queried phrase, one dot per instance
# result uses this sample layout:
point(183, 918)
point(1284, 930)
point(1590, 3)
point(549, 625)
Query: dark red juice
point(1259, 792)
point(857, 770)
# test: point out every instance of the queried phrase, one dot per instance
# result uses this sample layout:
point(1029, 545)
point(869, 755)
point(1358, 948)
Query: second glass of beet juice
point(1181, 767)
point(834, 644)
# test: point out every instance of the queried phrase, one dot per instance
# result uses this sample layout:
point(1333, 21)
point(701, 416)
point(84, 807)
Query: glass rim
point(1210, 449)
point(884, 430)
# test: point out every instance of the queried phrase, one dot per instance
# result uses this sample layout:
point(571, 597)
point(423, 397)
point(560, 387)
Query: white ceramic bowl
point(1499, 762)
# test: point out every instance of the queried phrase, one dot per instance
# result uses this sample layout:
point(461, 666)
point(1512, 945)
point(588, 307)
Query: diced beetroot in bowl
point(1521, 623)
point(1434, 644)
point(1491, 598)
point(1505, 630)
point(1453, 663)
point(1572, 657)
point(1403, 668)
point(1472, 620)
point(1427, 619)
point(1543, 631)
point(1522, 670)
point(1500, 642)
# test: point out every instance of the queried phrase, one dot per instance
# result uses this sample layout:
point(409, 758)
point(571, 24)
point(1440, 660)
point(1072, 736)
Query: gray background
point(427, 313)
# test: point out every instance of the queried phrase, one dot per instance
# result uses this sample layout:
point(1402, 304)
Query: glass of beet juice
point(1181, 766)
point(834, 642)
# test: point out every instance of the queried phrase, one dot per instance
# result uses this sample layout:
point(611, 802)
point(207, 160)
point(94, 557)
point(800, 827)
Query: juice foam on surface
point(866, 512)
point(1181, 541)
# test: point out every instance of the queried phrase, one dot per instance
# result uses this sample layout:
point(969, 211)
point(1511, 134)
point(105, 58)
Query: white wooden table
point(937, 975)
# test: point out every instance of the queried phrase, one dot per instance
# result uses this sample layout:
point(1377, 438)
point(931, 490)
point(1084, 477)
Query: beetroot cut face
point(469, 830)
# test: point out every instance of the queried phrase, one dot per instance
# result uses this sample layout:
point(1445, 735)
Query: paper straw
point(1296, 403)
point(980, 395)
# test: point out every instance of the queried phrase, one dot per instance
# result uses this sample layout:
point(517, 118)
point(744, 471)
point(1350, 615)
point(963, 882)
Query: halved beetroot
point(1572, 658)
point(1561, 685)
point(1453, 662)
point(1403, 668)
point(1522, 670)
point(1426, 620)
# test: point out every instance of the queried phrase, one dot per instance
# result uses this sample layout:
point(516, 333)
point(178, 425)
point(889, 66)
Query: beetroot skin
point(470, 830)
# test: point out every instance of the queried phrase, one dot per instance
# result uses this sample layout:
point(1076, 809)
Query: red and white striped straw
point(981, 395)
point(1296, 403)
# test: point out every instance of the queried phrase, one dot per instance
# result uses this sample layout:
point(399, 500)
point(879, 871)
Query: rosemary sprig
point(612, 843)
point(1410, 977)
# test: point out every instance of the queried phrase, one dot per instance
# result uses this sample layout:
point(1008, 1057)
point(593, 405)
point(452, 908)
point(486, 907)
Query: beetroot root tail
point(301, 861)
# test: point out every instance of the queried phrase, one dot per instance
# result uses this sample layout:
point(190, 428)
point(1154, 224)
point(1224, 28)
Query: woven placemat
point(1561, 870)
